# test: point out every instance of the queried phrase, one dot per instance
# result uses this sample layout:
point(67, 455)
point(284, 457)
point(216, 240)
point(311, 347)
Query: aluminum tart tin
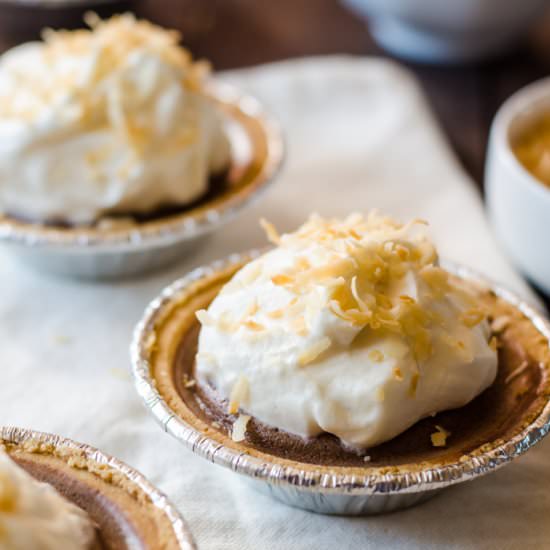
point(17, 436)
point(119, 250)
point(341, 490)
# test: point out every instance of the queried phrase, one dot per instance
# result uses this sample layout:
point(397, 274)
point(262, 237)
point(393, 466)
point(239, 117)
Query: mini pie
point(112, 121)
point(127, 512)
point(517, 397)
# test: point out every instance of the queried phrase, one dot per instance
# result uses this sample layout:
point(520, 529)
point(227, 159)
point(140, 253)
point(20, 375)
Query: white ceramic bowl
point(437, 31)
point(518, 204)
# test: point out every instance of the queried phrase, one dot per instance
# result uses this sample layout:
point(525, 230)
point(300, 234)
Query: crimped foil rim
point(12, 434)
point(180, 227)
point(372, 482)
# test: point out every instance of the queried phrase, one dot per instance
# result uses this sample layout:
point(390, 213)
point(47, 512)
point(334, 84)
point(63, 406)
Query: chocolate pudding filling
point(515, 398)
point(219, 187)
point(124, 516)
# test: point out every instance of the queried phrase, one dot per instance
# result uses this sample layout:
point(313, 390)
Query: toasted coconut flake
point(270, 231)
point(275, 314)
point(239, 393)
point(435, 277)
point(402, 252)
point(397, 374)
point(500, 323)
point(407, 299)
point(414, 384)
point(439, 438)
point(302, 263)
point(310, 354)
point(299, 326)
point(252, 308)
point(472, 317)
point(282, 279)
point(253, 325)
point(188, 382)
point(376, 355)
point(360, 303)
point(238, 433)
point(493, 343)
point(517, 372)
point(204, 318)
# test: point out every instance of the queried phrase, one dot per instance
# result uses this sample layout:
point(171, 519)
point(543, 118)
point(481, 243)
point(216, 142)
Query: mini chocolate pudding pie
point(344, 364)
point(120, 143)
point(111, 121)
point(57, 494)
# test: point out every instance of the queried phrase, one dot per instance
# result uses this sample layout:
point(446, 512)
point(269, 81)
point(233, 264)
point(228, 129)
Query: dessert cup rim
point(367, 480)
point(186, 225)
point(16, 435)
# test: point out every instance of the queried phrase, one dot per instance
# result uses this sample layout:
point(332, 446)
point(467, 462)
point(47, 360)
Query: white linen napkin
point(359, 135)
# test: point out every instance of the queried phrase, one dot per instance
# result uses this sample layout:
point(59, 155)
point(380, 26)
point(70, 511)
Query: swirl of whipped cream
point(108, 120)
point(347, 327)
point(34, 515)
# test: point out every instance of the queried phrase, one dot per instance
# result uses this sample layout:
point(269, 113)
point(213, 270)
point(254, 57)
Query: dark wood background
point(237, 33)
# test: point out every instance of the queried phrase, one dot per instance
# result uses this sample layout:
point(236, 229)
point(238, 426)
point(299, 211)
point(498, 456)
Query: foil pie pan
point(114, 250)
point(341, 490)
point(17, 436)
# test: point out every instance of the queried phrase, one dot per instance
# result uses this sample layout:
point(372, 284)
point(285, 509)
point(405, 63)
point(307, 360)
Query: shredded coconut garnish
point(439, 438)
point(188, 382)
point(311, 353)
point(414, 384)
point(397, 374)
point(376, 355)
point(238, 433)
point(517, 372)
point(472, 317)
point(107, 48)
point(500, 323)
point(368, 255)
point(239, 393)
point(270, 231)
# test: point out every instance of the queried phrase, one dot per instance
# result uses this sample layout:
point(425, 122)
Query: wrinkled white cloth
point(359, 135)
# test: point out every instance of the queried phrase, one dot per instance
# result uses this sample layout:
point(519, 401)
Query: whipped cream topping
point(34, 515)
point(347, 327)
point(108, 120)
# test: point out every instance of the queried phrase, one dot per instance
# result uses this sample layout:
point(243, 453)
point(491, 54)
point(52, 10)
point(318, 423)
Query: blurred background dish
point(121, 249)
point(518, 199)
point(441, 32)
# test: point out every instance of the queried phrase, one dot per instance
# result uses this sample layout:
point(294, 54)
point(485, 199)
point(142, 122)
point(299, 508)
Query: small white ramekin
point(518, 204)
